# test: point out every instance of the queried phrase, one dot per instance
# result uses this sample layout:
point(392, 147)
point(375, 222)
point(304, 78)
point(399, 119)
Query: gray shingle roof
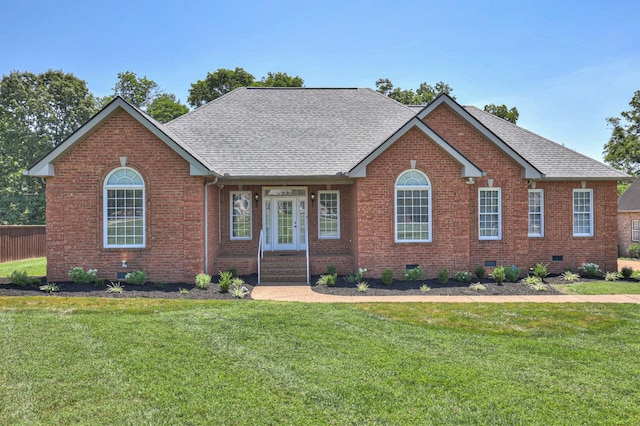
point(554, 160)
point(254, 132)
point(630, 199)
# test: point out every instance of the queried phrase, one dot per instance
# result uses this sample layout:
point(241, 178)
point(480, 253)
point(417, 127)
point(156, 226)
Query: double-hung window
point(124, 209)
point(489, 214)
point(536, 213)
point(413, 207)
point(635, 230)
point(241, 215)
point(583, 212)
point(328, 214)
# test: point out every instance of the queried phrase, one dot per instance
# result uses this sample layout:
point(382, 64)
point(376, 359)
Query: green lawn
point(600, 287)
point(35, 267)
point(145, 361)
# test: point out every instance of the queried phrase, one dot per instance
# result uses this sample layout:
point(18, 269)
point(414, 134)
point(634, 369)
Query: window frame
point(591, 232)
point(541, 213)
point(105, 208)
point(320, 215)
point(429, 188)
point(498, 191)
point(635, 230)
point(232, 216)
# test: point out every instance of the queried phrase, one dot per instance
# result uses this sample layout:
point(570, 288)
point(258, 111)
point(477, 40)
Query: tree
point(165, 108)
point(217, 84)
point(279, 79)
point(137, 91)
point(502, 111)
point(422, 96)
point(623, 149)
point(37, 112)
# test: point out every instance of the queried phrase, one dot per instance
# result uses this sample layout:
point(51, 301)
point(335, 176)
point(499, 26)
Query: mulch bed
point(149, 290)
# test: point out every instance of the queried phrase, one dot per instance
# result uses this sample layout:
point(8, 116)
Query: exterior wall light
point(313, 197)
point(124, 264)
point(256, 197)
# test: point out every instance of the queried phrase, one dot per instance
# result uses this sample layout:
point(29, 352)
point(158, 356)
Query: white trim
point(541, 233)
point(635, 229)
point(428, 188)
point(105, 201)
point(231, 216)
point(330, 237)
point(573, 208)
point(497, 190)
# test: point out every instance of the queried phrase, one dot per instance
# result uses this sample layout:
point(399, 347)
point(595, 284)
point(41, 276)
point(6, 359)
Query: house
point(346, 177)
point(629, 218)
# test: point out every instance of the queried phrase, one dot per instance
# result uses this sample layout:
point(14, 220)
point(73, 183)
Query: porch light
point(256, 197)
point(313, 197)
point(124, 264)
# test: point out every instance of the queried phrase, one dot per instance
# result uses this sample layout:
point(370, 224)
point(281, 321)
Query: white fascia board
point(528, 172)
point(468, 168)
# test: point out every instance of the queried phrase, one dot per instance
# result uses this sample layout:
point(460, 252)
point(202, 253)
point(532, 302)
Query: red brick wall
point(624, 231)
point(174, 200)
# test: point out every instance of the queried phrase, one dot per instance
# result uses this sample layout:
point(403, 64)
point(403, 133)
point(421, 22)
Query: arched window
point(124, 209)
point(413, 207)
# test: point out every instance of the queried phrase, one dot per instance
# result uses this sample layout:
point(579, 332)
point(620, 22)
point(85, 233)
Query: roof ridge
point(392, 100)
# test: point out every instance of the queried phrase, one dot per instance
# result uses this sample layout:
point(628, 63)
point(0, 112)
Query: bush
point(443, 276)
point(387, 276)
point(590, 269)
point(512, 274)
point(480, 271)
point(498, 274)
point(23, 279)
point(136, 277)
point(355, 277)
point(238, 289)
point(463, 277)
point(540, 270)
point(203, 281)
point(114, 288)
point(233, 270)
point(413, 274)
point(224, 281)
point(49, 288)
point(532, 280)
point(611, 276)
point(362, 286)
point(539, 286)
point(478, 287)
point(569, 276)
point(331, 269)
point(425, 288)
point(634, 250)
point(79, 276)
point(626, 272)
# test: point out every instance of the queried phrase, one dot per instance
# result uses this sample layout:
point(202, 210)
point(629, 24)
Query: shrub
point(183, 290)
point(331, 269)
point(362, 286)
point(540, 270)
point(328, 280)
point(355, 277)
point(50, 288)
point(425, 288)
point(569, 276)
point(136, 277)
point(159, 285)
point(590, 269)
point(203, 281)
point(634, 250)
point(512, 274)
point(79, 276)
point(539, 286)
point(224, 281)
point(611, 276)
point(480, 271)
point(626, 272)
point(463, 277)
point(413, 274)
point(114, 288)
point(23, 279)
point(233, 270)
point(443, 276)
point(498, 274)
point(477, 287)
point(238, 289)
point(387, 276)
point(532, 280)
point(99, 282)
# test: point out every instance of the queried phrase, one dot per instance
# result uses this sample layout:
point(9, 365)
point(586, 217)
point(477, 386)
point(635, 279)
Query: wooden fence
point(22, 242)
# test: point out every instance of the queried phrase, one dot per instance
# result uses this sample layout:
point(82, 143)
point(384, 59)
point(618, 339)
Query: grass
point(600, 287)
point(35, 267)
point(146, 361)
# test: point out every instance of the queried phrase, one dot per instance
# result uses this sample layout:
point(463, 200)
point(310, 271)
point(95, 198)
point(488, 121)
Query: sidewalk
point(304, 293)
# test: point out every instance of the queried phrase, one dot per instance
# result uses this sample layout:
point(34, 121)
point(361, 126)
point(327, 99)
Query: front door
point(285, 218)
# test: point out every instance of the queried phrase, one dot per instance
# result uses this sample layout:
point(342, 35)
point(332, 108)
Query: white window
point(124, 209)
point(328, 214)
point(536, 213)
point(413, 207)
point(489, 214)
point(241, 215)
point(583, 212)
point(635, 230)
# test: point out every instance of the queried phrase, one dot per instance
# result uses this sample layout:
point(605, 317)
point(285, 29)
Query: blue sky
point(566, 65)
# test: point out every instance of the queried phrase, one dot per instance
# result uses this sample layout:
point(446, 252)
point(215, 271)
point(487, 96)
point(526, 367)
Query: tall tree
point(279, 79)
point(139, 91)
point(424, 94)
point(217, 84)
point(504, 112)
point(37, 112)
point(623, 149)
point(165, 108)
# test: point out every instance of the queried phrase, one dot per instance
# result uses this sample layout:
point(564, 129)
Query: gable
point(629, 201)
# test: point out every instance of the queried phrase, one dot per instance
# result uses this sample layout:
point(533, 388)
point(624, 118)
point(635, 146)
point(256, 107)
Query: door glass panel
point(303, 222)
point(285, 222)
point(267, 222)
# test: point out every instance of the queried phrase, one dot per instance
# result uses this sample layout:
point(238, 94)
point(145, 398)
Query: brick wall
point(624, 231)
point(174, 200)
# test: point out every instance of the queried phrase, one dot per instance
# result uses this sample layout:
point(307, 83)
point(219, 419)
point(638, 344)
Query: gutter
point(206, 224)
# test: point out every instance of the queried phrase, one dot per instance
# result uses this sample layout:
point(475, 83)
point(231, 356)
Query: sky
point(565, 65)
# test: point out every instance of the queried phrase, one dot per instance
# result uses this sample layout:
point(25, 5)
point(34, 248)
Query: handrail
point(260, 253)
point(306, 239)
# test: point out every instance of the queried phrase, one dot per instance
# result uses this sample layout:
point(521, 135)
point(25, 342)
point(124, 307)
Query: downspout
point(206, 224)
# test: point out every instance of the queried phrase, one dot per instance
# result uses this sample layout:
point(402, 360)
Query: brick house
point(629, 218)
point(316, 177)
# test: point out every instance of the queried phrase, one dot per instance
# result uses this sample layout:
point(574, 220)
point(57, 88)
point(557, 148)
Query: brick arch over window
point(413, 207)
point(124, 216)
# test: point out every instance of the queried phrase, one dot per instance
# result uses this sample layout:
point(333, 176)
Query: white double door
point(285, 222)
